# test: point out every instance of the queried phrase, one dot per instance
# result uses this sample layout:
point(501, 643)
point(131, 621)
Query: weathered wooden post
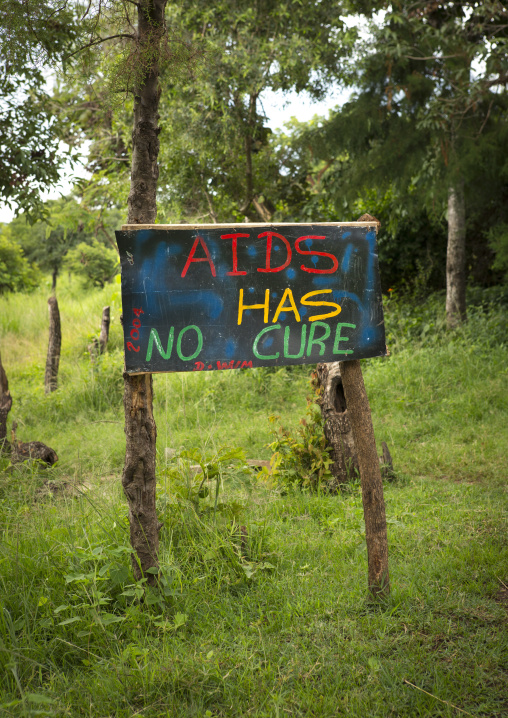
point(54, 345)
point(348, 428)
point(5, 405)
point(98, 346)
point(104, 335)
point(370, 477)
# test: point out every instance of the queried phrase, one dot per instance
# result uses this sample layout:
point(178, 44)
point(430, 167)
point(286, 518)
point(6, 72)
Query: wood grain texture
point(370, 476)
point(5, 403)
point(127, 227)
point(336, 424)
point(54, 346)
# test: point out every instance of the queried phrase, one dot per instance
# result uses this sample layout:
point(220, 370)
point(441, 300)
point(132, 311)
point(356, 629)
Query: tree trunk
point(5, 405)
point(104, 335)
point(138, 479)
point(336, 424)
point(456, 257)
point(145, 134)
point(249, 181)
point(55, 342)
point(370, 476)
point(54, 275)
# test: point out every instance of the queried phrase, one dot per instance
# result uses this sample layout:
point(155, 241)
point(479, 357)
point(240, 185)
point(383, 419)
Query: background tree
point(220, 162)
point(426, 130)
point(16, 272)
point(129, 39)
point(95, 263)
point(67, 223)
point(34, 37)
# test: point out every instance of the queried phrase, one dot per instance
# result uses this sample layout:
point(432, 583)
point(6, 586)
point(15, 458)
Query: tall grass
point(262, 608)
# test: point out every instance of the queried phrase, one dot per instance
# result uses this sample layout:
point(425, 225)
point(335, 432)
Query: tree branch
point(97, 42)
point(435, 57)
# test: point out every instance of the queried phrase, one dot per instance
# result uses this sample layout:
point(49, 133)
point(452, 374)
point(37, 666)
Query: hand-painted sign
point(234, 296)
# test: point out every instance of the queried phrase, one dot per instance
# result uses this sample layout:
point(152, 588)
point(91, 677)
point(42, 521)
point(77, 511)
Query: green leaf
point(74, 619)
point(39, 698)
point(180, 620)
point(63, 607)
point(108, 618)
point(119, 575)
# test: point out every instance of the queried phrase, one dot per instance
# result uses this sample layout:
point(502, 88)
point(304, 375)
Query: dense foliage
point(35, 37)
point(93, 262)
point(428, 112)
point(16, 273)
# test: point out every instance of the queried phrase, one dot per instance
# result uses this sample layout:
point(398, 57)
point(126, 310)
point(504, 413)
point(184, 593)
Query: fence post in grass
point(104, 335)
point(98, 346)
point(5, 405)
point(54, 344)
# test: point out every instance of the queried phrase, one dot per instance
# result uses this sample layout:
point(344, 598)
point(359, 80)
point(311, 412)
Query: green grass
point(282, 625)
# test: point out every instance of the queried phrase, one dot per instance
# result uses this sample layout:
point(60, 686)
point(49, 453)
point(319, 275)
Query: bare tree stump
point(370, 477)
point(54, 345)
point(19, 450)
point(31, 451)
point(138, 478)
point(336, 424)
point(5, 406)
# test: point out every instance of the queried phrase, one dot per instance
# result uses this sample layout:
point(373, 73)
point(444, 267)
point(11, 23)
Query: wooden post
point(104, 335)
point(5, 405)
point(370, 477)
point(55, 342)
point(98, 346)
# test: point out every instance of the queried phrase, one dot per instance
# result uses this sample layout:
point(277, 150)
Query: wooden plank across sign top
point(213, 297)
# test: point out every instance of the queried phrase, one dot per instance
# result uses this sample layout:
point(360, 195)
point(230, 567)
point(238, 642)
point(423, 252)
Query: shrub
point(301, 457)
point(16, 273)
point(95, 263)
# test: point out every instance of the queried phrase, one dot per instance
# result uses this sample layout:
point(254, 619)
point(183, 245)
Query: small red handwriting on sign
point(238, 364)
point(134, 333)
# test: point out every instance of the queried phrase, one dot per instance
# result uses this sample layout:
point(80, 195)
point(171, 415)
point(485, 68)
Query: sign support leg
point(370, 477)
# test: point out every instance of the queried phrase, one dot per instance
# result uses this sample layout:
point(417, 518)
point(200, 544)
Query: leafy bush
point(207, 531)
point(301, 458)
point(95, 263)
point(16, 273)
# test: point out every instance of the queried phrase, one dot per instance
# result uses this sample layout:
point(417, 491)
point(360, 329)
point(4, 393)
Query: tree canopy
point(218, 160)
point(35, 37)
point(427, 116)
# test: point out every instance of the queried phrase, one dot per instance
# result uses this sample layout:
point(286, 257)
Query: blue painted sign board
point(214, 297)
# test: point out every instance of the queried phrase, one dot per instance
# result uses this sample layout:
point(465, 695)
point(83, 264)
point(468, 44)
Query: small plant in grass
point(301, 457)
point(212, 529)
point(199, 477)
